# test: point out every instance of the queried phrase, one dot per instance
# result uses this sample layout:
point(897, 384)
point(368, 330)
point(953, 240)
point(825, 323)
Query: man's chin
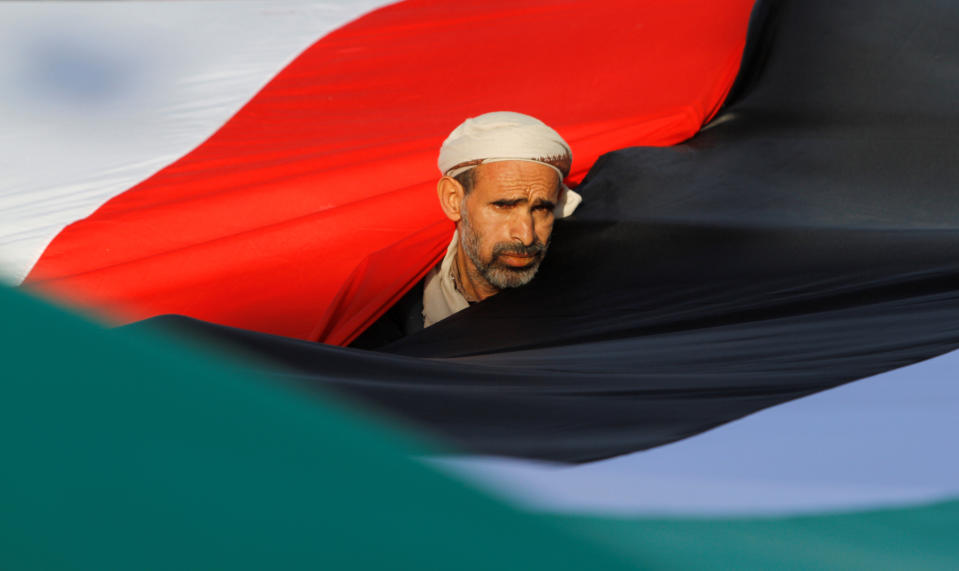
point(504, 276)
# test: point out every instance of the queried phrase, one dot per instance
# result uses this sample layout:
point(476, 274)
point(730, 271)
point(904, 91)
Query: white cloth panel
point(97, 96)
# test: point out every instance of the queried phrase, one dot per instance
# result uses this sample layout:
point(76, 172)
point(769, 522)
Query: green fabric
point(925, 537)
point(127, 452)
point(124, 451)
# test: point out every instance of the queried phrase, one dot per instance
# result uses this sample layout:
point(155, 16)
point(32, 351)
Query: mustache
point(535, 249)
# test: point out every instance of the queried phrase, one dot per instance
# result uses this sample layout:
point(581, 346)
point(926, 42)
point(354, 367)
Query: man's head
point(503, 186)
point(504, 214)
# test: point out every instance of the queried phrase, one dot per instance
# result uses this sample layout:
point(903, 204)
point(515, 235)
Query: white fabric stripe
point(884, 441)
point(97, 96)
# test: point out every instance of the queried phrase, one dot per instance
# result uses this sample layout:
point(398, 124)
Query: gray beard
point(498, 275)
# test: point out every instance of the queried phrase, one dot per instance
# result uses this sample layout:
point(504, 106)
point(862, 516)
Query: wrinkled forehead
point(519, 177)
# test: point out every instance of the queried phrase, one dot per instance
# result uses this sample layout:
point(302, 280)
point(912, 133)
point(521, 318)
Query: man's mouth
point(516, 260)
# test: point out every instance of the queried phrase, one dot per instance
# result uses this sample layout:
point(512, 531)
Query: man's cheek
point(496, 230)
point(486, 249)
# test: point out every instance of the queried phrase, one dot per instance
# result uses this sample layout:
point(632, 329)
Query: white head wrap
point(509, 136)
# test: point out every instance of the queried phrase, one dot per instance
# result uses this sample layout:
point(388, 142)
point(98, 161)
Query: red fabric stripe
point(313, 208)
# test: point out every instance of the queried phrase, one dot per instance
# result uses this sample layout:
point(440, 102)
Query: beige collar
point(440, 296)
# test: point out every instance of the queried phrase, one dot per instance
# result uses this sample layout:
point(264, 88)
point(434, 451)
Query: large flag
point(805, 238)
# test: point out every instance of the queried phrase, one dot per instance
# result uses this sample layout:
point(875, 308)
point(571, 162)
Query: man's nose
point(522, 228)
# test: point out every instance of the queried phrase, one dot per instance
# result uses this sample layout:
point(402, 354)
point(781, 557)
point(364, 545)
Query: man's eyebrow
point(509, 201)
point(540, 202)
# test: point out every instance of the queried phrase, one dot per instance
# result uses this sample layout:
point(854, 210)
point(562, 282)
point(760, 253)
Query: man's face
point(507, 220)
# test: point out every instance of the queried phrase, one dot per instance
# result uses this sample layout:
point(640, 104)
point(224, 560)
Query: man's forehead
point(518, 177)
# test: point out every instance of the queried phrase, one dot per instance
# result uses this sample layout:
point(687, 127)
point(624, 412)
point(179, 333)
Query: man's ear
point(450, 193)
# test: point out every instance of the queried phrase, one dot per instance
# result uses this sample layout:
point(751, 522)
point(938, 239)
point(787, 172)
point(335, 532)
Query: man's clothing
point(441, 298)
point(509, 136)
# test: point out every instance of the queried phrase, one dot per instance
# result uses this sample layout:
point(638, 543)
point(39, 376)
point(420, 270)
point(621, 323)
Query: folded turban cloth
point(509, 136)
